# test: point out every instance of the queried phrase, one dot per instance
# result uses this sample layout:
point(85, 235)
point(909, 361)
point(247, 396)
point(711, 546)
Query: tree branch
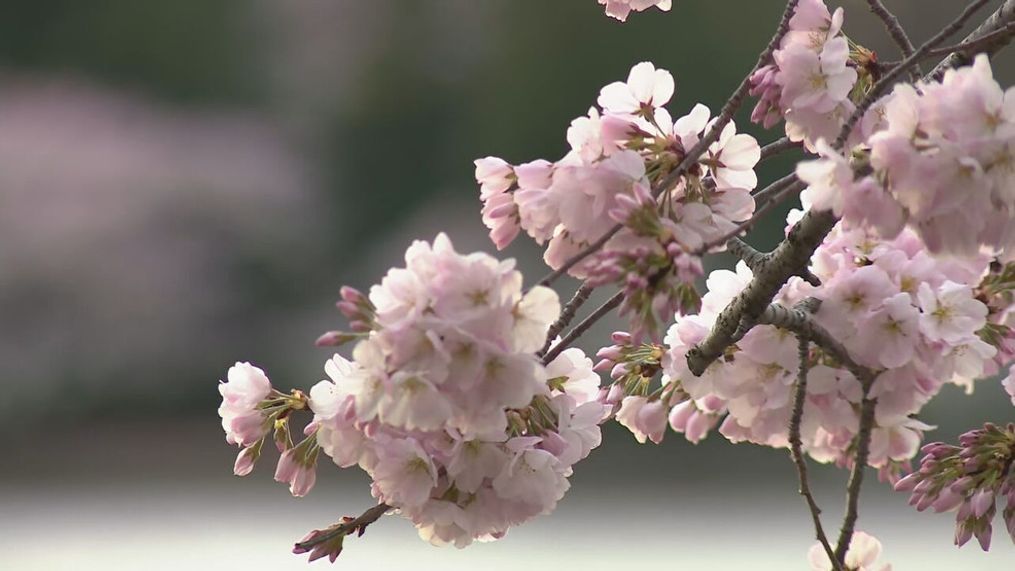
point(731, 106)
point(895, 30)
point(806, 235)
point(863, 440)
point(796, 451)
point(1002, 18)
point(969, 47)
point(347, 526)
point(755, 259)
point(566, 315)
point(778, 146)
point(890, 78)
point(584, 326)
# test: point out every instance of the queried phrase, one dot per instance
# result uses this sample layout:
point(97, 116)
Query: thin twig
point(346, 527)
point(778, 146)
point(895, 30)
point(566, 315)
point(890, 78)
point(967, 46)
point(863, 440)
point(1001, 18)
point(584, 326)
point(775, 189)
point(796, 450)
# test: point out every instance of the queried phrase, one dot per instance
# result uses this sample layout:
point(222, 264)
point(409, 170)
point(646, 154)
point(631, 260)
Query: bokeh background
point(185, 184)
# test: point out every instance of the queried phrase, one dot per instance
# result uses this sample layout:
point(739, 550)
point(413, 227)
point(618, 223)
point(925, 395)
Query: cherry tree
point(467, 403)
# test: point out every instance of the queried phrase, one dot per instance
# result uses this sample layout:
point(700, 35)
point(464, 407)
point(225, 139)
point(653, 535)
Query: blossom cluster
point(620, 9)
point(921, 325)
point(618, 171)
point(444, 403)
point(813, 74)
point(942, 161)
point(970, 478)
point(862, 555)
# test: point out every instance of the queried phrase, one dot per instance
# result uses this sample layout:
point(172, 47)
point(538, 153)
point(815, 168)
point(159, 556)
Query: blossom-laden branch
point(890, 78)
point(328, 542)
point(469, 419)
point(799, 321)
point(729, 108)
point(1001, 19)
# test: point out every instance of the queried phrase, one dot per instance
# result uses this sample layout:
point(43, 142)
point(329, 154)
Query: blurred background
point(186, 184)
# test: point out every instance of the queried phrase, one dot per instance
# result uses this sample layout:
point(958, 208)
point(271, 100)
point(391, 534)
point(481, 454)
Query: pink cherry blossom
point(245, 388)
point(620, 9)
point(864, 551)
point(646, 89)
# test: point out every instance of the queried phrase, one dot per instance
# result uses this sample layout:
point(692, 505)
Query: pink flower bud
point(246, 459)
point(621, 338)
point(981, 502)
point(615, 395)
point(907, 483)
point(300, 473)
point(352, 295)
point(946, 501)
point(680, 414)
point(698, 426)
point(652, 420)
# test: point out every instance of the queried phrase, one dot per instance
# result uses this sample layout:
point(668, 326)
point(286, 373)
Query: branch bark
point(895, 30)
point(584, 326)
point(796, 451)
point(910, 62)
point(566, 315)
point(1002, 18)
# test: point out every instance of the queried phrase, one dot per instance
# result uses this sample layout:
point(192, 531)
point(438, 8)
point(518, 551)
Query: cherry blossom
point(244, 390)
point(620, 9)
point(863, 554)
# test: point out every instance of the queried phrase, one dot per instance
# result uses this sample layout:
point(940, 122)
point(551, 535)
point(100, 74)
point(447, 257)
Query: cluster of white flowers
point(943, 162)
point(464, 430)
point(445, 404)
point(811, 79)
point(895, 308)
point(618, 152)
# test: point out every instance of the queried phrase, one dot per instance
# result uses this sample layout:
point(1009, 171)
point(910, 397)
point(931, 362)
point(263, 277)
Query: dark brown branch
point(798, 321)
point(566, 315)
point(969, 47)
point(803, 239)
point(584, 326)
point(1002, 18)
point(863, 440)
point(778, 146)
point(907, 64)
point(765, 194)
point(895, 30)
point(755, 259)
point(796, 451)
